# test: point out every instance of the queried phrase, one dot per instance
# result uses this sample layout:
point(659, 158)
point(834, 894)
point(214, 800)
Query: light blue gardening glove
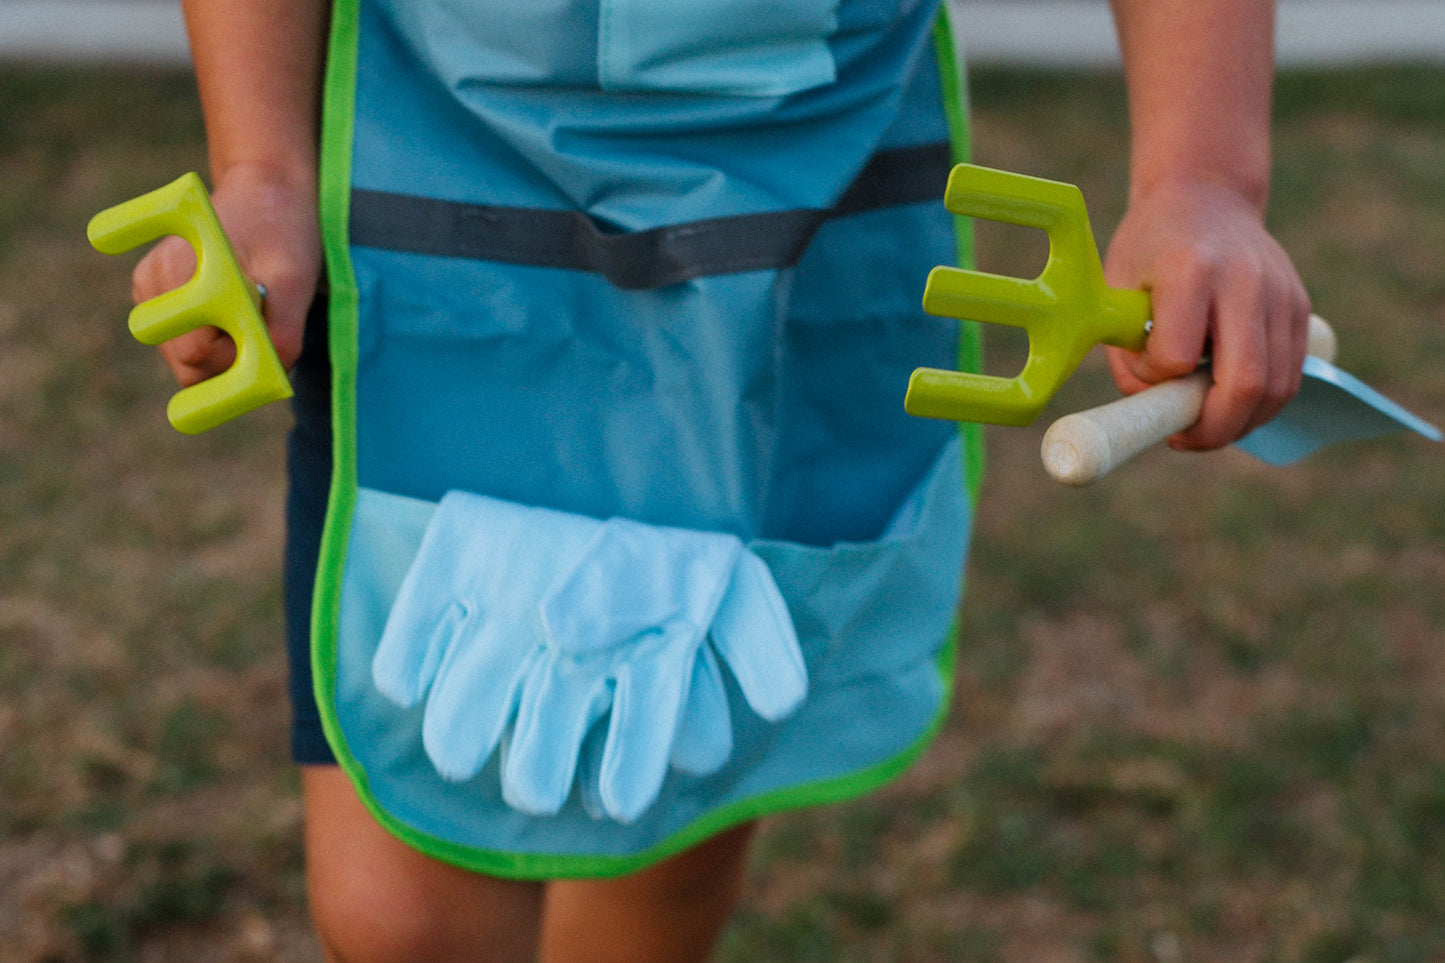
point(704, 739)
point(702, 745)
point(524, 627)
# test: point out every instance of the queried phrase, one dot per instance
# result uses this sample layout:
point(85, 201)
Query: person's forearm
point(1199, 76)
point(258, 66)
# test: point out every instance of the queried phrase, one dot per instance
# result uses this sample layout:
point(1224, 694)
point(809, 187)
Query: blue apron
point(660, 261)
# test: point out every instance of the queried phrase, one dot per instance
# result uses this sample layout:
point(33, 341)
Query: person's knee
point(376, 900)
point(359, 922)
point(672, 911)
point(383, 918)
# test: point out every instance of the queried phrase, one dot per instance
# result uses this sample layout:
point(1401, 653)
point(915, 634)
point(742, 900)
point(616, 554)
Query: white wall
point(1310, 33)
point(1043, 33)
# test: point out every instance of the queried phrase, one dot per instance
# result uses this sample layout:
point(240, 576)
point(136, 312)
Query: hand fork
point(219, 294)
point(1065, 311)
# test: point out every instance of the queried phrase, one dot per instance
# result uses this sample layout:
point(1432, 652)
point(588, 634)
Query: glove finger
point(754, 634)
point(560, 703)
point(472, 700)
point(589, 767)
point(404, 667)
point(704, 736)
point(646, 711)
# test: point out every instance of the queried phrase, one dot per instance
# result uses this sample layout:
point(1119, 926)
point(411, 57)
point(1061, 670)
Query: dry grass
point(1200, 713)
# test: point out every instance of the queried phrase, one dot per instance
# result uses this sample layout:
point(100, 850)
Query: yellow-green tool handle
point(219, 294)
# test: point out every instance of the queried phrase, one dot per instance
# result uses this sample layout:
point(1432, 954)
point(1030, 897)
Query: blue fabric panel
point(751, 48)
point(722, 415)
point(737, 402)
point(428, 119)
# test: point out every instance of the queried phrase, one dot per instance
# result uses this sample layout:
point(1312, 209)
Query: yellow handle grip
point(219, 294)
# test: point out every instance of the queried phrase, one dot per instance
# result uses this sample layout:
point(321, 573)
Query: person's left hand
point(1221, 287)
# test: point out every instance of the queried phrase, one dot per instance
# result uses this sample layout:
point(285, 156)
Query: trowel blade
point(1332, 406)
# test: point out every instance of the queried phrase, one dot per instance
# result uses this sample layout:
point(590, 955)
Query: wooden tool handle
point(1083, 447)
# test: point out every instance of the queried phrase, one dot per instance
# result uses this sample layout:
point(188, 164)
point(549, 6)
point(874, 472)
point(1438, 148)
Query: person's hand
point(272, 225)
point(1221, 287)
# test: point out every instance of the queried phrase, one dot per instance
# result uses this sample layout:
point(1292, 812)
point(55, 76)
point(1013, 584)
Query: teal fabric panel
point(736, 402)
point(429, 117)
point(751, 48)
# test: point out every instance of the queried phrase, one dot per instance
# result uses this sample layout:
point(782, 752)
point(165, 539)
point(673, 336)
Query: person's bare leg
point(374, 899)
point(668, 913)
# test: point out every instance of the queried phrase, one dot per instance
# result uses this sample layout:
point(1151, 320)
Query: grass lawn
point(1201, 706)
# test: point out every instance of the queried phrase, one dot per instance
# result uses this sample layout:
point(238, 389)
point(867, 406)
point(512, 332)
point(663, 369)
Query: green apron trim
point(970, 339)
point(339, 94)
point(533, 866)
point(335, 187)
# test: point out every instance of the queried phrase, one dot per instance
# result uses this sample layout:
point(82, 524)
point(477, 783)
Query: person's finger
point(1119, 366)
point(1241, 367)
point(198, 355)
point(1288, 327)
point(1178, 335)
point(1180, 324)
point(288, 299)
point(289, 275)
point(165, 267)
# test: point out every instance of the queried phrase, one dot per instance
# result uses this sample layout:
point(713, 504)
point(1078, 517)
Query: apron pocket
point(875, 607)
point(872, 617)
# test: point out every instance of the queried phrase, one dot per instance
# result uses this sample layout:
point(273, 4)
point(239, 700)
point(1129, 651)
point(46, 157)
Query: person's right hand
point(272, 223)
point(1219, 284)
